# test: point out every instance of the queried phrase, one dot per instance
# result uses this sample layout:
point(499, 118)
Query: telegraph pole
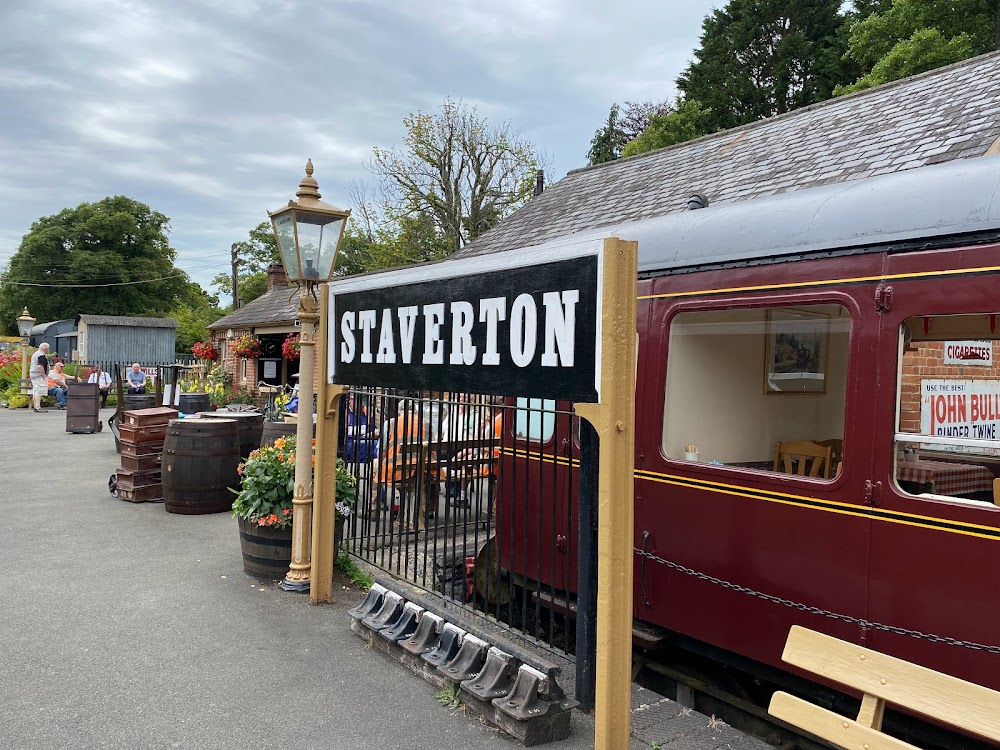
point(236, 291)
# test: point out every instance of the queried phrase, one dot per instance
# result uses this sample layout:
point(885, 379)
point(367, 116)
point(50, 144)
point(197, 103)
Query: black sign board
point(529, 330)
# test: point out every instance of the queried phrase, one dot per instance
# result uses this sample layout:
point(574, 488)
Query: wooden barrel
point(192, 403)
point(251, 427)
point(267, 552)
point(134, 401)
point(199, 463)
point(271, 431)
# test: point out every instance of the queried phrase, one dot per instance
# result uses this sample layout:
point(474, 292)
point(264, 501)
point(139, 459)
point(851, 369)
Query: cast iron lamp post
point(24, 325)
point(308, 233)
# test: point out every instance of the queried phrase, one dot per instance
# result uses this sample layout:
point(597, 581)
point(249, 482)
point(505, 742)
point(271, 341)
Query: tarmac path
point(123, 626)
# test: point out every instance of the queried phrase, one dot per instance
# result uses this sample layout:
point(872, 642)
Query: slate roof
point(116, 320)
point(278, 305)
point(948, 113)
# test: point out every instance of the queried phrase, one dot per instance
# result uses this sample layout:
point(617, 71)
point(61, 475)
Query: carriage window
point(947, 444)
point(535, 418)
point(759, 388)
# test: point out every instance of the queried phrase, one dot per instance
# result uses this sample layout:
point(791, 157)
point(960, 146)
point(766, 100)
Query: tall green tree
point(458, 169)
point(623, 126)
point(194, 311)
point(908, 37)
point(254, 255)
point(760, 58)
point(111, 257)
point(685, 121)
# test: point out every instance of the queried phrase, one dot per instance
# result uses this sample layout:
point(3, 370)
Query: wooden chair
point(799, 453)
point(881, 679)
point(836, 446)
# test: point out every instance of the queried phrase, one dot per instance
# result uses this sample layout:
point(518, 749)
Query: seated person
point(103, 380)
point(57, 384)
point(136, 379)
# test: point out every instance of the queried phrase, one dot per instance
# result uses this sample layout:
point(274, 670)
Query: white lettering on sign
point(433, 345)
point(347, 331)
point(557, 345)
point(960, 409)
point(978, 353)
point(491, 312)
point(386, 345)
point(523, 330)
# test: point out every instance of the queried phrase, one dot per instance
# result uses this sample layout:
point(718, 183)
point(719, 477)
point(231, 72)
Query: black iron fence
point(473, 497)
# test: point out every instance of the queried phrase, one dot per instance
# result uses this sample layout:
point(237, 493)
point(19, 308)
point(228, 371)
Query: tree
point(687, 120)
point(195, 310)
point(111, 257)
point(908, 37)
point(623, 126)
point(458, 170)
point(254, 255)
point(760, 58)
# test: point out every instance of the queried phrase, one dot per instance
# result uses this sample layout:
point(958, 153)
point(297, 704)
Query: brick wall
point(927, 363)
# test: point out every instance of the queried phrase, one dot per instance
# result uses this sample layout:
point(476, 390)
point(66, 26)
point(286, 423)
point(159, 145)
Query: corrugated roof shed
point(116, 320)
point(278, 305)
point(945, 114)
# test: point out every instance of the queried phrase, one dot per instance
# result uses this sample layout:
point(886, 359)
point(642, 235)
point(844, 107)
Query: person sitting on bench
point(103, 380)
point(57, 384)
point(136, 379)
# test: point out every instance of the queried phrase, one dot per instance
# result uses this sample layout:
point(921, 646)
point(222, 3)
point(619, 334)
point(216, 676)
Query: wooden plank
point(831, 726)
point(872, 712)
point(971, 707)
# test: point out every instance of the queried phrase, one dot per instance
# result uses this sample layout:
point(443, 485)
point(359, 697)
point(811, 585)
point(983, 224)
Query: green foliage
point(760, 58)
point(450, 695)
point(196, 309)
point(268, 481)
point(608, 141)
point(623, 126)
point(906, 37)
point(349, 568)
point(10, 373)
point(686, 121)
point(15, 399)
point(254, 255)
point(113, 241)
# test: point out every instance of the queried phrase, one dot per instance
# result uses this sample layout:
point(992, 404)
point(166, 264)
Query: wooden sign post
point(555, 321)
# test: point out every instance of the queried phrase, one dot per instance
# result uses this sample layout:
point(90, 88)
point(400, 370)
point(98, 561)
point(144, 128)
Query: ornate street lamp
point(24, 325)
point(308, 232)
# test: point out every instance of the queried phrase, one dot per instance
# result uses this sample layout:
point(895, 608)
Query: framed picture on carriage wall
point(796, 349)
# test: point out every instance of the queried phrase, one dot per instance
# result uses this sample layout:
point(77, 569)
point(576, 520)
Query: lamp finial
point(308, 188)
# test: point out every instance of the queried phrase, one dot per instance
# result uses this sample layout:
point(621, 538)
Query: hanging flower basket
point(290, 347)
point(246, 346)
point(205, 351)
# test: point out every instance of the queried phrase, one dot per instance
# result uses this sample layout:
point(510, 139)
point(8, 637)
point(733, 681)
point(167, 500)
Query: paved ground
point(123, 626)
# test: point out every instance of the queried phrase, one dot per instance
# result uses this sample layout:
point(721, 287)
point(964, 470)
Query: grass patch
point(348, 567)
point(450, 696)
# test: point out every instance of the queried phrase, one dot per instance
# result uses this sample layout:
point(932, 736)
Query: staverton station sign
point(516, 324)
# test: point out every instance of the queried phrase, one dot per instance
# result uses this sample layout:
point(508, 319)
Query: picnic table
point(945, 477)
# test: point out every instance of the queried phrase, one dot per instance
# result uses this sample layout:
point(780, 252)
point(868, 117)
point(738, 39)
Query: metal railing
point(469, 496)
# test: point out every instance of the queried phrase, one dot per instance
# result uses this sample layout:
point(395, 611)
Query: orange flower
point(286, 511)
point(281, 456)
point(262, 522)
point(239, 469)
point(279, 443)
point(314, 442)
point(314, 462)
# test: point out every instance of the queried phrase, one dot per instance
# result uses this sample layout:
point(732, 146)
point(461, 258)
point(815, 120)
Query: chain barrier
point(816, 610)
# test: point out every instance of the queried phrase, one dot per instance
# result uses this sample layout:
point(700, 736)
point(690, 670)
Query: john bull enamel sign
point(478, 325)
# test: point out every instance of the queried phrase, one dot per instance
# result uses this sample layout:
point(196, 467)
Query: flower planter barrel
point(251, 426)
point(267, 552)
point(271, 431)
point(199, 463)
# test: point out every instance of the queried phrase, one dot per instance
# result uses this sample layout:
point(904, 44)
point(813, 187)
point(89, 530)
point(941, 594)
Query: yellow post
point(325, 484)
point(614, 420)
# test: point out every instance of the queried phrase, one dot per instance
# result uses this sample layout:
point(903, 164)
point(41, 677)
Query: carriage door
point(935, 539)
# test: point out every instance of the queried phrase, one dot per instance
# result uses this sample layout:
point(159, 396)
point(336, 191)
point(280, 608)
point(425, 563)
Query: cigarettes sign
point(978, 353)
point(481, 325)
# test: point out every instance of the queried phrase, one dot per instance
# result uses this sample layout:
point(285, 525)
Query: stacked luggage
point(141, 433)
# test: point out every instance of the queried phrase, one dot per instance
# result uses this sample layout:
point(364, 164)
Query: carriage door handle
point(564, 446)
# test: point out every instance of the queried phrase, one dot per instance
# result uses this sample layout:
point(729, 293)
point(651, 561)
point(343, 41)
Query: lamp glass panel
point(24, 327)
point(284, 232)
point(318, 237)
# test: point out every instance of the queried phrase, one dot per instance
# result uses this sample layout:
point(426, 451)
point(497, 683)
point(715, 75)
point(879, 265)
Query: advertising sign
point(960, 409)
point(978, 353)
point(522, 326)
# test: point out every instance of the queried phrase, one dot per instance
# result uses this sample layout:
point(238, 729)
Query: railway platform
point(124, 626)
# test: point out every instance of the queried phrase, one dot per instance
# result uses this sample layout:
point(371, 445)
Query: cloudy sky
point(207, 109)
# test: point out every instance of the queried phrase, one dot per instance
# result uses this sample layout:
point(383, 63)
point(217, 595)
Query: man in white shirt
point(103, 381)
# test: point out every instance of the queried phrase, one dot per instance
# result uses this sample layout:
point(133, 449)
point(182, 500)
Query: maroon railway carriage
point(861, 317)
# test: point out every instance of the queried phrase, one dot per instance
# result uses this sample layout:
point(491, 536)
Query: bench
point(882, 680)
